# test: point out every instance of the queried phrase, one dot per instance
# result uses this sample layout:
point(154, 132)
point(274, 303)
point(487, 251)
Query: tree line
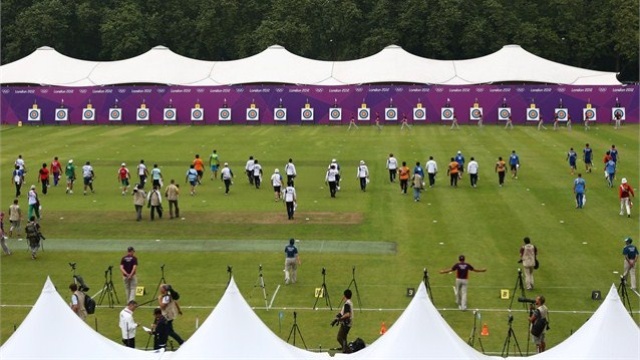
point(595, 34)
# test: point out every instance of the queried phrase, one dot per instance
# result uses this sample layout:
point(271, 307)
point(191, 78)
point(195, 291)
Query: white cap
point(33, 187)
point(70, 161)
point(123, 164)
point(333, 160)
point(361, 162)
point(226, 164)
point(624, 180)
point(459, 152)
point(276, 170)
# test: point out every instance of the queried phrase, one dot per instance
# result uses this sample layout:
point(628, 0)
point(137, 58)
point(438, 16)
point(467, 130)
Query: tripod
point(507, 340)
point(108, 290)
point(296, 329)
point(624, 294)
point(323, 291)
point(162, 281)
point(425, 278)
point(355, 284)
point(519, 285)
point(260, 283)
point(472, 336)
point(77, 279)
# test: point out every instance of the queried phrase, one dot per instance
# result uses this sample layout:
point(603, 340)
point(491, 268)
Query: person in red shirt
point(625, 192)
point(123, 177)
point(605, 160)
point(462, 270)
point(55, 170)
point(43, 178)
point(452, 171)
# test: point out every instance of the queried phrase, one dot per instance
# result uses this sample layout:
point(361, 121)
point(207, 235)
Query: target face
point(363, 114)
point(34, 115)
point(61, 115)
point(307, 114)
point(196, 114)
point(532, 114)
point(280, 114)
point(115, 114)
point(589, 114)
point(225, 114)
point(391, 113)
point(142, 114)
point(87, 114)
point(475, 113)
point(504, 113)
point(561, 114)
point(170, 114)
point(252, 114)
point(447, 114)
point(335, 114)
point(618, 113)
point(419, 113)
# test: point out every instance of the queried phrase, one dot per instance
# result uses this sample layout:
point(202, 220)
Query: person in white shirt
point(142, 174)
point(88, 176)
point(472, 169)
point(128, 325)
point(156, 176)
point(290, 200)
point(276, 182)
point(432, 170)
point(154, 201)
point(20, 164)
point(363, 175)
point(249, 169)
point(257, 173)
point(334, 162)
point(330, 179)
point(290, 170)
point(392, 166)
point(226, 175)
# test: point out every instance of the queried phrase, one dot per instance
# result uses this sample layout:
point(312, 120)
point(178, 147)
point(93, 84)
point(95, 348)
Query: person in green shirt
point(70, 173)
point(214, 163)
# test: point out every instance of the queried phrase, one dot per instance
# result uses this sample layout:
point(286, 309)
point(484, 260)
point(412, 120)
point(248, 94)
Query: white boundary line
point(273, 297)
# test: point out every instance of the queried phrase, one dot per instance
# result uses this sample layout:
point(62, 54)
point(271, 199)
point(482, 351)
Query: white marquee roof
point(160, 65)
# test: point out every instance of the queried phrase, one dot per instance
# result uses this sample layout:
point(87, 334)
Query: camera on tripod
point(526, 300)
point(324, 271)
point(82, 286)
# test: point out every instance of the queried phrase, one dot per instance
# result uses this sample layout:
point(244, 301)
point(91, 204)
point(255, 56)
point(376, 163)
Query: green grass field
point(385, 235)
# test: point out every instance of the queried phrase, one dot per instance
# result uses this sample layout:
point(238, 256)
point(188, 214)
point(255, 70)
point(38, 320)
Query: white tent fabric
point(610, 333)
point(46, 66)
point(513, 63)
point(394, 64)
point(274, 65)
point(160, 65)
point(234, 331)
point(419, 333)
point(52, 331)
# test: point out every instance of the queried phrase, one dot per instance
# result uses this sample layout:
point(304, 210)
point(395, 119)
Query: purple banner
point(16, 103)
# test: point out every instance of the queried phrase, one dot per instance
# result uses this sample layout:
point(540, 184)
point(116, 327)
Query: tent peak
point(45, 48)
point(513, 46)
point(160, 47)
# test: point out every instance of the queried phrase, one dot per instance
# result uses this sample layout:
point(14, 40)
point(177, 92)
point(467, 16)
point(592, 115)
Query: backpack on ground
point(89, 304)
point(357, 345)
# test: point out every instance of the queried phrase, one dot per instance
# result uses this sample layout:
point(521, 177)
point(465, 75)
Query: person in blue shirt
point(579, 188)
point(587, 156)
point(614, 154)
point(418, 169)
point(514, 164)
point(192, 178)
point(630, 253)
point(610, 169)
point(292, 260)
point(572, 157)
point(459, 158)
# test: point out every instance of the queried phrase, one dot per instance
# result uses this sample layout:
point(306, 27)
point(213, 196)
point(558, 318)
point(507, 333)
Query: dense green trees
point(598, 34)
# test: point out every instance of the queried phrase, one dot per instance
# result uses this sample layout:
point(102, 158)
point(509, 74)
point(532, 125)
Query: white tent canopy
point(160, 65)
point(46, 66)
point(419, 333)
point(609, 334)
point(234, 331)
point(52, 331)
point(513, 63)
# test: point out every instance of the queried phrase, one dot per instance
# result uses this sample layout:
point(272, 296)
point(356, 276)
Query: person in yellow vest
point(170, 309)
point(528, 255)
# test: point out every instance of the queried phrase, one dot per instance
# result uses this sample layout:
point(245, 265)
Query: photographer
point(539, 323)
point(170, 310)
point(345, 319)
point(159, 330)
